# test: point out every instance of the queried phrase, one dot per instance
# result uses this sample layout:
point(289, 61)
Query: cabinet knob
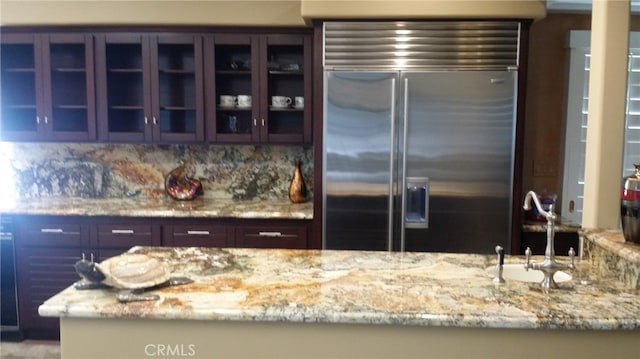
point(38, 120)
point(262, 122)
point(46, 120)
point(146, 120)
point(255, 122)
point(155, 121)
point(198, 233)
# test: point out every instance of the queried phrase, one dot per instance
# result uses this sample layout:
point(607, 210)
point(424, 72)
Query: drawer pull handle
point(122, 231)
point(270, 234)
point(51, 230)
point(199, 233)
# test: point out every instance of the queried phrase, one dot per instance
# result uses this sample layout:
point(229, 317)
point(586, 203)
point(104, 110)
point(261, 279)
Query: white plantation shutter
point(576, 126)
point(632, 123)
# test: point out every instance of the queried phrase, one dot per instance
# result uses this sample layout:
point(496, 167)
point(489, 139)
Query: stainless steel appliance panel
point(359, 148)
point(460, 134)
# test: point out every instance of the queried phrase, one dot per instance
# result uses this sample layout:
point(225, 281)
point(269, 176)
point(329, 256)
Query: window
point(577, 111)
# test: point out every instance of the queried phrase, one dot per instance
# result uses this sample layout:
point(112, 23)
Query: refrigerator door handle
point(391, 181)
point(405, 125)
point(417, 203)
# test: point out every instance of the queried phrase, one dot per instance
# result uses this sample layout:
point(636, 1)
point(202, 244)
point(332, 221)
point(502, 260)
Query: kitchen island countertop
point(425, 289)
point(159, 207)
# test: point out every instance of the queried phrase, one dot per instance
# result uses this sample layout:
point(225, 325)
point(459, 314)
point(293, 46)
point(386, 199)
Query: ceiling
point(581, 5)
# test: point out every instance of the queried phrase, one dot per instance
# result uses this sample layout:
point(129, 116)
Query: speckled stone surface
point(611, 255)
point(160, 207)
point(99, 170)
point(428, 289)
point(561, 225)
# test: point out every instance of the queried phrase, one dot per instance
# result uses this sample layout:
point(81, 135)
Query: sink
point(516, 271)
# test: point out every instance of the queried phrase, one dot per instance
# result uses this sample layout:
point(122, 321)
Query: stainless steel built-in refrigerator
point(418, 159)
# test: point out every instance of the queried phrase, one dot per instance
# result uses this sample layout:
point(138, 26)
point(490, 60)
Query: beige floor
point(30, 349)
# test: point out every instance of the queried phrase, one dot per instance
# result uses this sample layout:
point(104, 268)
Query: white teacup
point(298, 102)
point(280, 101)
point(228, 101)
point(244, 101)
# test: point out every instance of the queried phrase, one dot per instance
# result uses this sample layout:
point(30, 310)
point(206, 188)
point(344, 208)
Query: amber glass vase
point(297, 187)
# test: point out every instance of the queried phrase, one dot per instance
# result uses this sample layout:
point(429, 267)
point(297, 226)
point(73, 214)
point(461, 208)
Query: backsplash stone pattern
point(126, 170)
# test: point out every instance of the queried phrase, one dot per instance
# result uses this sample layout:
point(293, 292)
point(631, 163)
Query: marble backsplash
point(36, 170)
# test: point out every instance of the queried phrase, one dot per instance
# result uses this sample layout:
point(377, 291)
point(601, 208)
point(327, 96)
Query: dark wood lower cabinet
point(537, 241)
point(48, 246)
point(42, 272)
point(46, 249)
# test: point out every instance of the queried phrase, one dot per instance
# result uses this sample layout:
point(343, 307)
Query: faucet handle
point(498, 276)
point(572, 256)
point(500, 253)
point(527, 254)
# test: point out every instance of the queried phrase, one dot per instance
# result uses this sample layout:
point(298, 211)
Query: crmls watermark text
point(170, 350)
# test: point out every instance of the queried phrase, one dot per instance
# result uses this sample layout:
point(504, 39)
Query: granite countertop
point(160, 207)
point(428, 289)
point(561, 225)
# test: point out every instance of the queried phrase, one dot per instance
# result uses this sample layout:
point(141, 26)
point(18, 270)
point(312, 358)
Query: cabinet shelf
point(19, 70)
point(21, 107)
point(233, 72)
point(177, 71)
point(286, 73)
point(177, 108)
point(119, 70)
point(286, 109)
point(69, 69)
point(71, 107)
point(126, 107)
point(221, 108)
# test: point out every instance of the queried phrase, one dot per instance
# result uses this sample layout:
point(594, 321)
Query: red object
point(630, 195)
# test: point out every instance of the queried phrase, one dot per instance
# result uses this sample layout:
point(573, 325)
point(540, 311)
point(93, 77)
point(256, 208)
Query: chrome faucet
point(549, 266)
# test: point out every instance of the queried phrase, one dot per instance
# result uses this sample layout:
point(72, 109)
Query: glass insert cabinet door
point(47, 87)
point(231, 73)
point(150, 87)
point(243, 74)
point(287, 60)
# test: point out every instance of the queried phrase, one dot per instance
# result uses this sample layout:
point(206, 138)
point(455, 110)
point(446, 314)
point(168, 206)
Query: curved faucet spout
point(549, 266)
point(531, 195)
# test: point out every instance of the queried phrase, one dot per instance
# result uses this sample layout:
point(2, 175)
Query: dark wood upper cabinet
point(260, 66)
point(149, 87)
point(47, 87)
point(156, 87)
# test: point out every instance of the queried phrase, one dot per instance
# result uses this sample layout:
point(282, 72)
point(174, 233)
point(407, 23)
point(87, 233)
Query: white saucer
point(245, 107)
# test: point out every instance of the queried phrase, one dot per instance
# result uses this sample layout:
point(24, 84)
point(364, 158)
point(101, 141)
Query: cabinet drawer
point(537, 241)
point(272, 237)
point(199, 236)
point(127, 235)
point(51, 234)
